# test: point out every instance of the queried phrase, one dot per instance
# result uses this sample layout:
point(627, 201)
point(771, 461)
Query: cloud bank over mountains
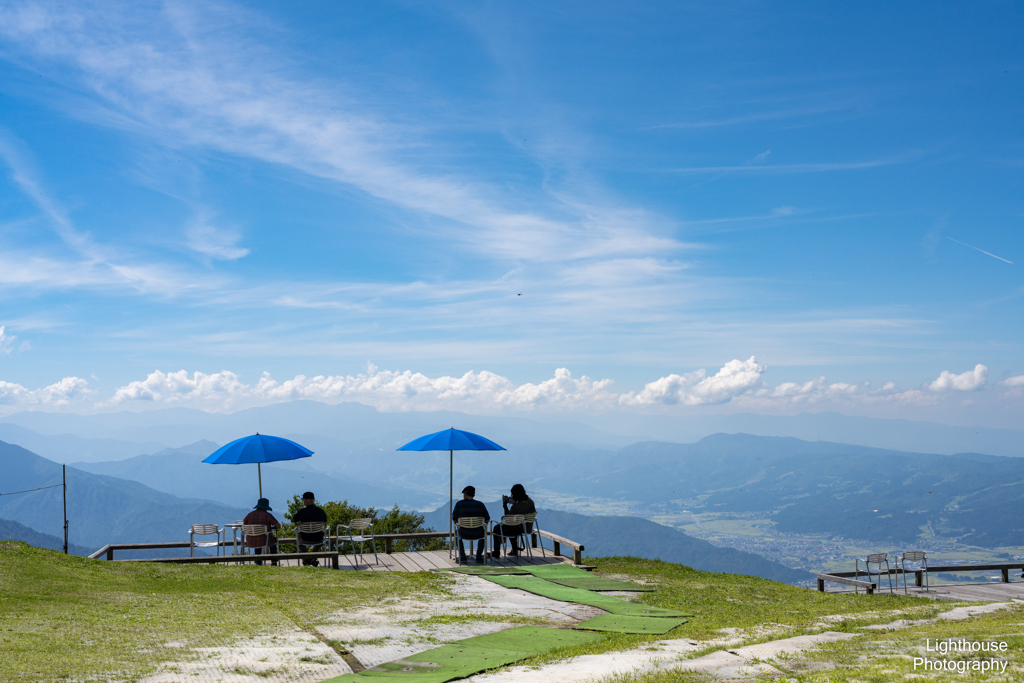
point(738, 382)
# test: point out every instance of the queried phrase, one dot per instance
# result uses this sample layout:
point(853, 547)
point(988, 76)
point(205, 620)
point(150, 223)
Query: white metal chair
point(875, 558)
point(911, 561)
point(470, 523)
point(256, 531)
point(361, 526)
point(308, 529)
point(204, 530)
point(512, 520)
point(531, 527)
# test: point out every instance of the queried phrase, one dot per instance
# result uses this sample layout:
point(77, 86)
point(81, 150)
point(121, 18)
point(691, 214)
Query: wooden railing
point(559, 541)
point(844, 577)
point(389, 539)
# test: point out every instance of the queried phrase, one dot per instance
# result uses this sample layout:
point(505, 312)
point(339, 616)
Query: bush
point(393, 522)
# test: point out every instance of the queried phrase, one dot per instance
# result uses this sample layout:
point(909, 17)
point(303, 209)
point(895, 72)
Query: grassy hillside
point(12, 531)
point(70, 618)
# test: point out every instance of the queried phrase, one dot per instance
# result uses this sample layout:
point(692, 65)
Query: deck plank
point(415, 560)
point(406, 562)
point(440, 558)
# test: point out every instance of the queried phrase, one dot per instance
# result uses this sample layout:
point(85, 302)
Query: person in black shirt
point(517, 504)
point(468, 507)
point(310, 513)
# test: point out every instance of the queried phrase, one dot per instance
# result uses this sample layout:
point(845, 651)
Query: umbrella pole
point(451, 539)
point(259, 473)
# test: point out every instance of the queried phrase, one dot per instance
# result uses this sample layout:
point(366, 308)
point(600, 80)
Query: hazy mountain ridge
point(181, 472)
point(12, 531)
point(816, 487)
point(101, 509)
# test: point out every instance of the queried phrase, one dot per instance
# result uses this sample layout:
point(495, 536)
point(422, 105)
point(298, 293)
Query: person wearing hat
point(468, 507)
point(261, 515)
point(310, 513)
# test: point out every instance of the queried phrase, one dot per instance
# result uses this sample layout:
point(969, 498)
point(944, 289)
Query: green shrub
point(393, 522)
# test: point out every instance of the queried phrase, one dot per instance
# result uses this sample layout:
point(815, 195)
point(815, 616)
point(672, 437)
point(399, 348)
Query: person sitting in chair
point(468, 507)
point(261, 515)
point(310, 513)
point(517, 504)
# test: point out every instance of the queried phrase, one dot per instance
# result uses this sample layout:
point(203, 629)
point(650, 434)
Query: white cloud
point(813, 391)
point(6, 342)
point(59, 394)
point(222, 389)
point(1017, 381)
point(695, 388)
point(194, 79)
point(215, 242)
point(387, 390)
point(967, 381)
point(738, 382)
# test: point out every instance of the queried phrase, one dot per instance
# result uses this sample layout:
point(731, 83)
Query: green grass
point(65, 618)
point(882, 657)
point(770, 610)
point(69, 618)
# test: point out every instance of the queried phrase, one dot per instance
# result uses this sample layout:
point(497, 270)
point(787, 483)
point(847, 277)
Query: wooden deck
point(991, 591)
point(428, 560)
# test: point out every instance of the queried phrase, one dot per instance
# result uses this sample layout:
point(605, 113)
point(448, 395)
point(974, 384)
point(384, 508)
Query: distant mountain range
point(819, 487)
point(12, 531)
point(359, 426)
point(181, 472)
point(605, 536)
point(101, 509)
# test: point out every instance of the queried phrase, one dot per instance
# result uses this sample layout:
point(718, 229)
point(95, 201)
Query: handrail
point(558, 541)
point(1003, 567)
point(822, 578)
point(226, 559)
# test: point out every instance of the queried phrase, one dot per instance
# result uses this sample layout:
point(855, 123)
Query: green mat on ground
point(599, 583)
point(477, 571)
point(561, 571)
point(472, 655)
point(574, 577)
point(539, 586)
point(625, 623)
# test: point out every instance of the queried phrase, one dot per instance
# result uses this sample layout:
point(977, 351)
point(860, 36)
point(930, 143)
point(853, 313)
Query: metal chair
point(512, 520)
point(911, 561)
point(532, 527)
point(256, 530)
point(874, 558)
point(310, 528)
point(359, 525)
point(470, 523)
point(204, 530)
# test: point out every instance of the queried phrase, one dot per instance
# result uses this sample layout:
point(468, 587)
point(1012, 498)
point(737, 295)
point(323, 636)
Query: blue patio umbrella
point(258, 448)
point(451, 440)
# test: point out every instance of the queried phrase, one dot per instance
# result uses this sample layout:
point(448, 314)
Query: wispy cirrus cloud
point(188, 82)
point(779, 169)
point(88, 263)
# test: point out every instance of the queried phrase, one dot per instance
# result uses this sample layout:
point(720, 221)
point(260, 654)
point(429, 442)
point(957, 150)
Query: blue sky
point(815, 207)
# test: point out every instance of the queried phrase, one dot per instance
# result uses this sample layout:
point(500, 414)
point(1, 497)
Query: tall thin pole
point(259, 473)
point(64, 478)
point(451, 540)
